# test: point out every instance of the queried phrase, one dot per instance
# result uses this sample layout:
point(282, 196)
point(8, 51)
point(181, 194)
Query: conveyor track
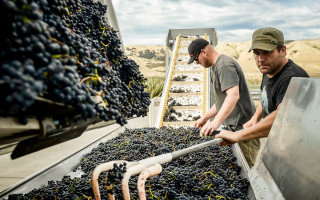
point(186, 88)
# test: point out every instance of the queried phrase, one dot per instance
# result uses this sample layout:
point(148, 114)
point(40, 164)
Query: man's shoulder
point(294, 70)
point(290, 70)
point(225, 60)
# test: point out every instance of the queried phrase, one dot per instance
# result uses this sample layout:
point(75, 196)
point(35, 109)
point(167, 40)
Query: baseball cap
point(195, 47)
point(267, 39)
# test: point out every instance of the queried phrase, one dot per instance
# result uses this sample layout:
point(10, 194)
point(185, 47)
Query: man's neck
point(215, 57)
point(284, 62)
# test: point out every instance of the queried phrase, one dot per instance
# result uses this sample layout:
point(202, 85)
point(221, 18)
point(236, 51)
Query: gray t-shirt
point(226, 74)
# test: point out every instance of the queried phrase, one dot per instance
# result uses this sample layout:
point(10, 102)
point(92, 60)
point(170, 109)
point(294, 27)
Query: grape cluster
point(195, 118)
point(180, 78)
point(171, 113)
point(168, 117)
point(173, 102)
point(211, 173)
point(180, 90)
point(115, 176)
point(65, 51)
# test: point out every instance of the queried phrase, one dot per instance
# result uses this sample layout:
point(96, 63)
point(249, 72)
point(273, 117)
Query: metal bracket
point(37, 143)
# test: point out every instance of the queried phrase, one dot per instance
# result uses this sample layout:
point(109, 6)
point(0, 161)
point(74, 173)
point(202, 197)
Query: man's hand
point(250, 123)
point(228, 136)
point(200, 122)
point(208, 129)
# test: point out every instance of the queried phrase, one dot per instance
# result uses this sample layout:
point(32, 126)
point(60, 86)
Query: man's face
point(269, 62)
point(201, 59)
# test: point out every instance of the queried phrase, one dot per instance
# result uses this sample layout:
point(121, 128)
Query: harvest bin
point(66, 166)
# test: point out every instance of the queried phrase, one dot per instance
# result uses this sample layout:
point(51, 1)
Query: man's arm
point(258, 130)
point(209, 114)
point(226, 109)
point(255, 118)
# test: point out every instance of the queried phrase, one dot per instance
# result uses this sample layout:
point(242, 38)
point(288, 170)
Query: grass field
point(155, 86)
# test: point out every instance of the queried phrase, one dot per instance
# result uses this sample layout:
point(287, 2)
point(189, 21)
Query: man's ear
point(203, 51)
point(283, 50)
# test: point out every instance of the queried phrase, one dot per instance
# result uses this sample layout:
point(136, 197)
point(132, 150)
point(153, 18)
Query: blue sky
point(146, 22)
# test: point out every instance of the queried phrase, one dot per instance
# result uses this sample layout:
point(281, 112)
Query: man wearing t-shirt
point(232, 105)
point(269, 53)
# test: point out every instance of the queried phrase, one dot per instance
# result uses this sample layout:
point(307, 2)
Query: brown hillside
point(153, 65)
point(305, 53)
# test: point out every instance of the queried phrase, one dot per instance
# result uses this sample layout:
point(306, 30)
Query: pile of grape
point(196, 76)
point(210, 173)
point(190, 100)
point(186, 88)
point(172, 115)
point(64, 51)
point(179, 78)
point(186, 67)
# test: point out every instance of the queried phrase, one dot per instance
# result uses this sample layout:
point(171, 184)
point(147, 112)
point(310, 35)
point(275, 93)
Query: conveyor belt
point(192, 88)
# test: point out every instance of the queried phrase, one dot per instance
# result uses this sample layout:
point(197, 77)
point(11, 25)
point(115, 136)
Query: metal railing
point(255, 95)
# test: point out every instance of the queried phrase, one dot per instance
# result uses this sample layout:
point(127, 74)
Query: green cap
point(267, 39)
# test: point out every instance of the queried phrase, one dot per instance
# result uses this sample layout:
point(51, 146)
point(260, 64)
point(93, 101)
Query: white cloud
point(147, 22)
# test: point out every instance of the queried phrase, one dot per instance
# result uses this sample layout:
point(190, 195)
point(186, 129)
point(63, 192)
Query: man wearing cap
point(232, 105)
point(269, 53)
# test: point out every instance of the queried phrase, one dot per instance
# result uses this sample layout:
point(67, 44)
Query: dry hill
point(305, 53)
point(151, 59)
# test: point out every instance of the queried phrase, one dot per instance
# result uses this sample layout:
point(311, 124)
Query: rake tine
point(146, 173)
point(130, 172)
point(95, 176)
